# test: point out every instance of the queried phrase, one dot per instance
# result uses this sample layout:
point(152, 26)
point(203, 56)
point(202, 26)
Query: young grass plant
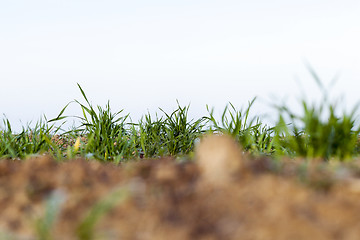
point(28, 142)
point(151, 139)
point(86, 228)
point(315, 138)
point(44, 225)
point(252, 134)
point(180, 132)
point(106, 133)
point(312, 135)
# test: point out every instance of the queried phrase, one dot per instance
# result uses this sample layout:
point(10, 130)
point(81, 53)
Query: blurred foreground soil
point(167, 200)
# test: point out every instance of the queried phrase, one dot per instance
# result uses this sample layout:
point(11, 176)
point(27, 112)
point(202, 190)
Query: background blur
point(142, 55)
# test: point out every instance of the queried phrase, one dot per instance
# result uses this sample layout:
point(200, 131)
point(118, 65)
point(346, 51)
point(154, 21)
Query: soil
point(167, 199)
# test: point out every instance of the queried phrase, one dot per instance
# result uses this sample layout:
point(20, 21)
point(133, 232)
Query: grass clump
point(319, 132)
point(316, 138)
point(150, 137)
point(173, 134)
point(29, 141)
point(253, 135)
point(107, 138)
point(180, 132)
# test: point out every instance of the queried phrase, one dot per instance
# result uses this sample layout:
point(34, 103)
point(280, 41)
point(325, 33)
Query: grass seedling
point(85, 230)
point(314, 134)
point(180, 132)
point(316, 138)
point(151, 136)
point(106, 133)
point(28, 142)
point(44, 225)
point(252, 134)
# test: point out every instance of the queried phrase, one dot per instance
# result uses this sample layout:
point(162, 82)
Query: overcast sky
point(142, 55)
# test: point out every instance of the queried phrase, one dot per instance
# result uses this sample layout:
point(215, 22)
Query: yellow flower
point(77, 144)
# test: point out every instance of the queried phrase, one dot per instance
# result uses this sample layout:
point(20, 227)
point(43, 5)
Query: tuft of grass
point(180, 132)
point(173, 134)
point(319, 132)
point(150, 135)
point(107, 137)
point(309, 136)
point(29, 141)
point(251, 133)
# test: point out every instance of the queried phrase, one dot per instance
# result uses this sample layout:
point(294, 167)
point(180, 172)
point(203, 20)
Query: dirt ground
point(167, 199)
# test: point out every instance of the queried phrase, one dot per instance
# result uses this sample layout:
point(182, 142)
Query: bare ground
point(165, 199)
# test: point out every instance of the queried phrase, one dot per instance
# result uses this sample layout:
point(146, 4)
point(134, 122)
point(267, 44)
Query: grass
point(316, 138)
point(45, 223)
point(107, 138)
point(86, 228)
point(29, 141)
point(254, 136)
point(181, 133)
point(319, 132)
point(151, 136)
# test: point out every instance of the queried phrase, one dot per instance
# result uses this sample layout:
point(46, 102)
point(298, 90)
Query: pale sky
point(142, 55)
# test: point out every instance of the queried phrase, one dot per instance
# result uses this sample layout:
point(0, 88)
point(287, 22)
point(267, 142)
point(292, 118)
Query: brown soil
point(168, 200)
